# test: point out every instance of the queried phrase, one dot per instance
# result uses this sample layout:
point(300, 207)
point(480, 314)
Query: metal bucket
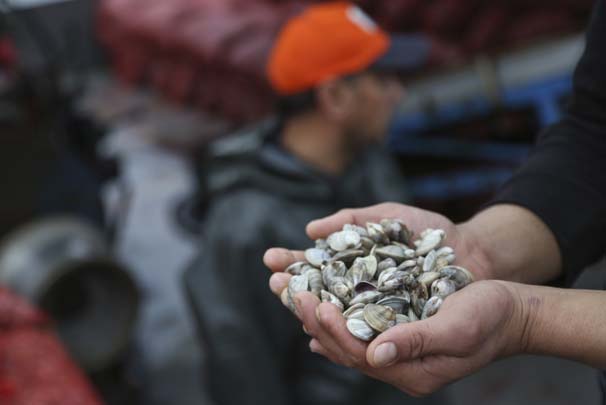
point(64, 266)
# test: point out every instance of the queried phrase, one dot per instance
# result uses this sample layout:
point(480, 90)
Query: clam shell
point(428, 278)
point(363, 269)
point(416, 271)
point(321, 244)
point(429, 263)
point(366, 244)
point(418, 298)
point(401, 318)
point(352, 309)
point(379, 317)
point(430, 241)
point(443, 288)
point(377, 233)
point(348, 256)
point(397, 280)
point(297, 268)
point(333, 270)
point(461, 276)
point(412, 316)
point(317, 257)
point(431, 307)
point(341, 288)
point(370, 262)
point(386, 264)
point(314, 277)
point(296, 284)
point(328, 297)
point(364, 286)
point(356, 228)
point(344, 240)
point(407, 264)
point(399, 303)
point(386, 275)
point(357, 314)
point(396, 230)
point(360, 329)
point(445, 251)
point(392, 252)
point(367, 297)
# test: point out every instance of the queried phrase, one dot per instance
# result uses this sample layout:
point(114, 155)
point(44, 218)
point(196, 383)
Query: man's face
point(375, 98)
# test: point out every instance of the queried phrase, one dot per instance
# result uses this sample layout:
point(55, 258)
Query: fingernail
point(306, 331)
point(385, 355)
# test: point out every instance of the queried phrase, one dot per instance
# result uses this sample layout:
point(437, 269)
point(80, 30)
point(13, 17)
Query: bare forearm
point(515, 243)
point(565, 323)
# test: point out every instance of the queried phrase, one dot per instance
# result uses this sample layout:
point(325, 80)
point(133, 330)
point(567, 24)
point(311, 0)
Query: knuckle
point(416, 344)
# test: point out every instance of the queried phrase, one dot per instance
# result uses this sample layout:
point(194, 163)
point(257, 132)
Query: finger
point(386, 375)
point(323, 227)
point(334, 324)
point(277, 259)
point(307, 304)
point(278, 282)
point(316, 347)
point(412, 341)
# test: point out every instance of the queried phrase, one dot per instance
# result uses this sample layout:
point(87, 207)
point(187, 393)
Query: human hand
point(473, 327)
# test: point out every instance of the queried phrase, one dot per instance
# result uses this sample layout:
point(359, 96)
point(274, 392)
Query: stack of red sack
point(34, 367)
point(212, 53)
point(209, 53)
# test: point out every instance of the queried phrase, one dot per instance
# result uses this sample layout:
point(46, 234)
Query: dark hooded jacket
point(262, 197)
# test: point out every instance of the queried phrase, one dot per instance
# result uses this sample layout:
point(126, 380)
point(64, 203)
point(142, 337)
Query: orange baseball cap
point(335, 39)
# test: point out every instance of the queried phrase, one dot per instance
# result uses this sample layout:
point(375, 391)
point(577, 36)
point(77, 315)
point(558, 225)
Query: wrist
point(479, 258)
point(514, 244)
point(526, 305)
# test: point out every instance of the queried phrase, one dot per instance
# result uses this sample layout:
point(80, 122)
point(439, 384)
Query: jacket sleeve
point(564, 180)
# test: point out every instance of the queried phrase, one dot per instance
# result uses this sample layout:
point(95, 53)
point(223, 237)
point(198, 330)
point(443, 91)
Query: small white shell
point(401, 318)
point(360, 329)
point(428, 278)
point(443, 288)
point(316, 257)
point(340, 241)
point(430, 241)
point(431, 307)
point(328, 297)
point(430, 261)
point(379, 317)
point(352, 309)
point(366, 297)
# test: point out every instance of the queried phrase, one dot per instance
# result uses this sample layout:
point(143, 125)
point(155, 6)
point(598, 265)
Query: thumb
point(320, 228)
point(408, 342)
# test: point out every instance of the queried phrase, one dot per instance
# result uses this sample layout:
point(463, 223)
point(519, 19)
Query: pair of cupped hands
point(474, 327)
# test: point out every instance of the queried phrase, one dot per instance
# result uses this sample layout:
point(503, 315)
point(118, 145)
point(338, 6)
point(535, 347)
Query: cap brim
point(405, 53)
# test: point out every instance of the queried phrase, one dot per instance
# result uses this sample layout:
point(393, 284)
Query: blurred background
point(107, 109)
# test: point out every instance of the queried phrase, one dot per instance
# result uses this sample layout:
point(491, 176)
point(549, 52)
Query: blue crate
point(544, 96)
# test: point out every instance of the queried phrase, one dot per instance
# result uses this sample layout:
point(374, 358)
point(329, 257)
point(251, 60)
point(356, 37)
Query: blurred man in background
point(334, 72)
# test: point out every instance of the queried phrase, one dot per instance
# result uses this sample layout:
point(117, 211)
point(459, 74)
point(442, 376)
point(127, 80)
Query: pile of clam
point(378, 275)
